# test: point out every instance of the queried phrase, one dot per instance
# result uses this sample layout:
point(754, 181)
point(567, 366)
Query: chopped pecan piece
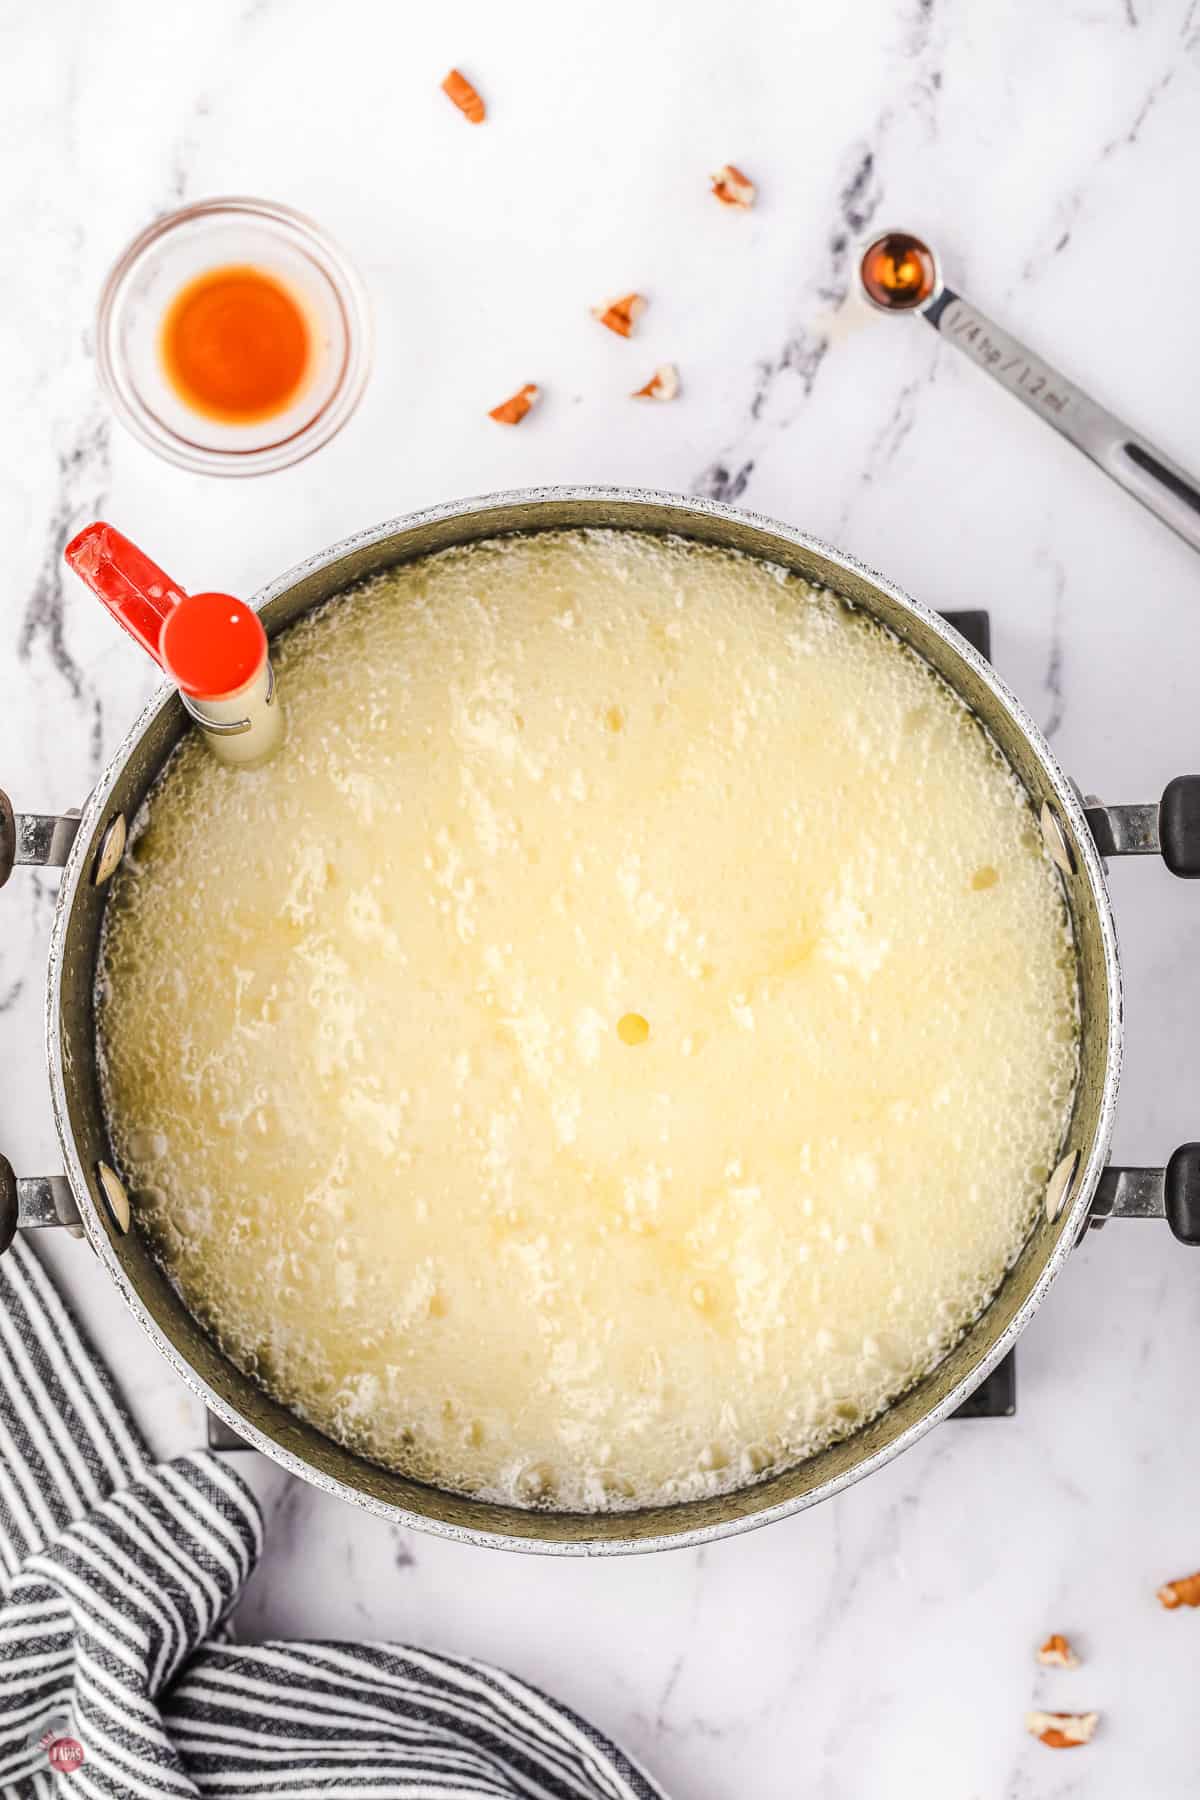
point(662, 385)
point(621, 315)
point(1056, 1653)
point(513, 410)
point(732, 188)
point(467, 98)
point(1184, 1592)
point(1062, 1731)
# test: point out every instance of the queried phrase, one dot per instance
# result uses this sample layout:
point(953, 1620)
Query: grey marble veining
point(880, 1646)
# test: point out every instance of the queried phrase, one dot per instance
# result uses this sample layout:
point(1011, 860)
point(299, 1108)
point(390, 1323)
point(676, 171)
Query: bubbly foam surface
point(615, 1047)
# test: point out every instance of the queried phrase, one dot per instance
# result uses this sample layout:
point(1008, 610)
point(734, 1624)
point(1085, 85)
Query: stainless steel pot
point(1082, 1190)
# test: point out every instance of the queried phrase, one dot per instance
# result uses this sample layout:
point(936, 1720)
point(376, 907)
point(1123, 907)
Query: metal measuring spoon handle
point(900, 273)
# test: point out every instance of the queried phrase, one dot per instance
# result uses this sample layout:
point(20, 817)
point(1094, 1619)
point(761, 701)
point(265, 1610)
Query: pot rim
point(1074, 1220)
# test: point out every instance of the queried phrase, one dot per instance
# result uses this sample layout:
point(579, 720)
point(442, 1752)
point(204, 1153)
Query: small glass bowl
point(174, 251)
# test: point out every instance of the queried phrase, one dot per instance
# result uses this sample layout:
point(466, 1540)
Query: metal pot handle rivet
point(110, 852)
point(112, 1192)
point(1061, 1185)
point(1057, 844)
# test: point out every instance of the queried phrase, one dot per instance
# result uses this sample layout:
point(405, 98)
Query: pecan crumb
point(1056, 1653)
point(732, 188)
point(1062, 1731)
point(662, 385)
point(512, 411)
point(1184, 1592)
point(621, 315)
point(467, 99)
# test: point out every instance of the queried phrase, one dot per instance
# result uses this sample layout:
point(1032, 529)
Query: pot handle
point(42, 840)
point(1170, 830)
point(30, 1202)
point(1172, 1194)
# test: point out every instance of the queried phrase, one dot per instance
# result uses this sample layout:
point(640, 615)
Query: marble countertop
point(880, 1645)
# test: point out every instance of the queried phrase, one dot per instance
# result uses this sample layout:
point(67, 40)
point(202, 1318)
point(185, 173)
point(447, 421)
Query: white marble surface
point(880, 1646)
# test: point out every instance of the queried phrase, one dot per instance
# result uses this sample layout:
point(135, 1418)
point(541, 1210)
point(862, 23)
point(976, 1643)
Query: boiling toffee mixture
point(619, 1042)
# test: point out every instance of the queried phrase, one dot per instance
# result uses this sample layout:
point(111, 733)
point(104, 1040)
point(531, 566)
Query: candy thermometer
point(900, 273)
point(212, 646)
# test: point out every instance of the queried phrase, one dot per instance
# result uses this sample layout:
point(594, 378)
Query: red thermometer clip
point(212, 646)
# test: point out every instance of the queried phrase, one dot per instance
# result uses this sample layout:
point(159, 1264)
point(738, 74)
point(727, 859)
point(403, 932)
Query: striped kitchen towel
point(115, 1577)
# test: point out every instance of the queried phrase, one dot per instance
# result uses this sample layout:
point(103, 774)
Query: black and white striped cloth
point(115, 1577)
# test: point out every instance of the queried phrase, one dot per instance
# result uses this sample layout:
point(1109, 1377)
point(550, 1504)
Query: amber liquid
point(236, 345)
